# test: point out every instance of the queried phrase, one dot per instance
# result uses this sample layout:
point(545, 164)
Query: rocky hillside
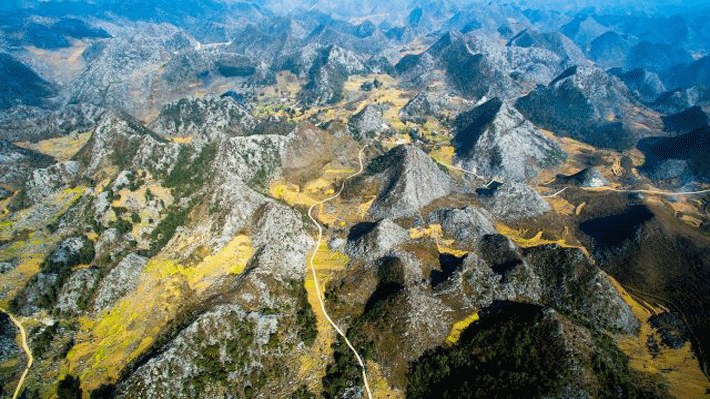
point(584, 103)
point(496, 142)
point(204, 120)
point(22, 85)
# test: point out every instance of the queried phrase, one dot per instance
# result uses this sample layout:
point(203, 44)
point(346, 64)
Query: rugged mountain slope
point(170, 255)
point(119, 141)
point(497, 142)
point(586, 104)
point(479, 67)
point(677, 160)
point(656, 57)
point(646, 85)
point(686, 121)
point(553, 41)
point(330, 69)
point(22, 85)
point(688, 74)
point(423, 105)
point(610, 49)
point(583, 29)
point(629, 238)
point(679, 100)
point(409, 181)
point(16, 164)
point(34, 124)
point(203, 120)
point(117, 77)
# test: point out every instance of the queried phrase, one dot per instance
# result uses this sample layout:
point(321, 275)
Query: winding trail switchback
point(315, 276)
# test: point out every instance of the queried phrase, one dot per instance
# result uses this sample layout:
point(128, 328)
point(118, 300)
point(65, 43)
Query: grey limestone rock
point(368, 122)
point(571, 283)
point(331, 68)
point(17, 164)
point(514, 201)
point(8, 266)
point(22, 123)
point(467, 226)
point(646, 85)
point(410, 180)
point(424, 104)
point(588, 178)
point(172, 373)
point(281, 242)
point(676, 101)
point(371, 241)
point(494, 270)
point(41, 291)
point(552, 41)
point(114, 142)
point(74, 295)
point(587, 104)
point(205, 119)
point(120, 280)
point(5, 194)
point(496, 142)
point(43, 182)
point(8, 334)
point(254, 159)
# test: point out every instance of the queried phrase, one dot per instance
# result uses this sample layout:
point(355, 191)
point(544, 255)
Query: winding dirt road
point(25, 347)
point(590, 189)
point(315, 277)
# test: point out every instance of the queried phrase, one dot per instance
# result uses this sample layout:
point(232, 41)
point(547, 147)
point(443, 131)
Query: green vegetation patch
point(165, 230)
point(305, 318)
point(191, 171)
point(516, 351)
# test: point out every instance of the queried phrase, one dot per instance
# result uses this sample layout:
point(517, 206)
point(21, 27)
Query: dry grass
point(66, 63)
point(459, 327)
point(526, 239)
point(60, 148)
point(119, 334)
point(29, 241)
point(378, 383)
point(444, 245)
point(577, 152)
point(678, 368)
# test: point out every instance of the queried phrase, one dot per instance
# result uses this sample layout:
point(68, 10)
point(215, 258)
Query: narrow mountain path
point(632, 191)
point(315, 276)
point(591, 189)
point(25, 347)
